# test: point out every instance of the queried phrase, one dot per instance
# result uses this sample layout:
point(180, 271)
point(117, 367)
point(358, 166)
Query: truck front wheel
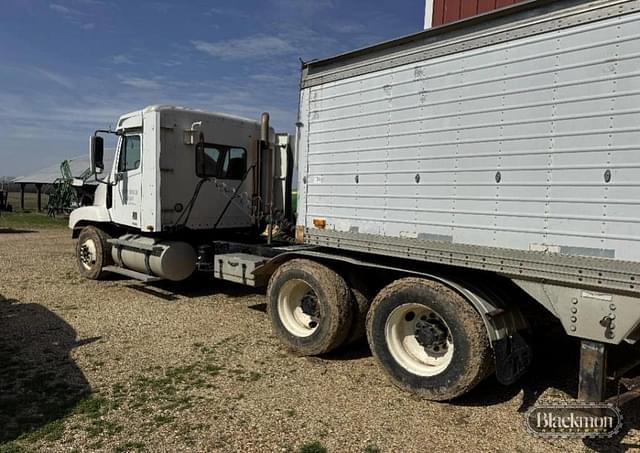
point(428, 339)
point(93, 253)
point(310, 307)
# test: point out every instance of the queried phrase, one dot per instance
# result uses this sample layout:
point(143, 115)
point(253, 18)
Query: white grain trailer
point(450, 182)
point(509, 144)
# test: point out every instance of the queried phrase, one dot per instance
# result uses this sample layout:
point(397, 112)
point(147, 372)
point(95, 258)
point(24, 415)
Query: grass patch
point(11, 447)
point(50, 432)
point(92, 407)
point(313, 447)
point(23, 220)
point(160, 420)
point(371, 449)
point(129, 446)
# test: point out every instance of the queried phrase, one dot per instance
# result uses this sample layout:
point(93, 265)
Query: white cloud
point(230, 12)
point(171, 63)
point(121, 59)
point(65, 10)
point(141, 83)
point(347, 28)
point(266, 78)
point(304, 7)
point(250, 47)
point(54, 77)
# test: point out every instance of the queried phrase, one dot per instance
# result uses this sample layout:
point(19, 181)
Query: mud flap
point(513, 357)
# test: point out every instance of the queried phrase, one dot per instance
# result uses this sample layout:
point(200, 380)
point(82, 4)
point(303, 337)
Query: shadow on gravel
point(14, 231)
point(355, 351)
point(555, 366)
point(262, 308)
point(630, 421)
point(630, 411)
point(39, 382)
point(201, 285)
point(150, 291)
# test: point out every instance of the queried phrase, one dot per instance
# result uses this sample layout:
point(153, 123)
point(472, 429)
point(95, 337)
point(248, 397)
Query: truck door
point(126, 195)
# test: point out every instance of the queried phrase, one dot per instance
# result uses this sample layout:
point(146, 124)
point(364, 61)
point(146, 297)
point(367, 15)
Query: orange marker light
point(319, 223)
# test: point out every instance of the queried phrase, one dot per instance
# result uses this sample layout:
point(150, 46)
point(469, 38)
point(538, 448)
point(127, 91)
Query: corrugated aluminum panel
point(508, 145)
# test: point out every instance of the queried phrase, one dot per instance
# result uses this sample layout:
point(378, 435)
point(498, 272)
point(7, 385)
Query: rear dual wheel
point(310, 307)
point(428, 339)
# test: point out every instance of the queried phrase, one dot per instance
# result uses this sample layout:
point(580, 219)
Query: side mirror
point(96, 154)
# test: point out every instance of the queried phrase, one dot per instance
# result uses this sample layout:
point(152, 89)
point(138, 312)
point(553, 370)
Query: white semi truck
point(449, 182)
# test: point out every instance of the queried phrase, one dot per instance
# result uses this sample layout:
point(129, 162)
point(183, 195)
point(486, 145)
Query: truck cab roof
point(134, 119)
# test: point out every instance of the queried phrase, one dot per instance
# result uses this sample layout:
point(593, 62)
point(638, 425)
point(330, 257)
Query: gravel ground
point(117, 366)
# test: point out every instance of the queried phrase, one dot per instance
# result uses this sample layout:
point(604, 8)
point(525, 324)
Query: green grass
point(27, 220)
point(313, 447)
point(129, 447)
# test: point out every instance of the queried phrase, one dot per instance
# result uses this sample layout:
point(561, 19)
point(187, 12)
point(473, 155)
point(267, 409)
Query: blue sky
point(68, 67)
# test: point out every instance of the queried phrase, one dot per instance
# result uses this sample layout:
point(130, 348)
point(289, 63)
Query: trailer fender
point(502, 319)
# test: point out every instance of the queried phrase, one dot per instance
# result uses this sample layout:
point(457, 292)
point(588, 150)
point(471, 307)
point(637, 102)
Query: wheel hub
point(431, 334)
point(85, 254)
point(309, 305)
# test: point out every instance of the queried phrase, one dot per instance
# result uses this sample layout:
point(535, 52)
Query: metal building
point(440, 12)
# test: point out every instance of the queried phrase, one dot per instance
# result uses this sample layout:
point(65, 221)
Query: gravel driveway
point(119, 366)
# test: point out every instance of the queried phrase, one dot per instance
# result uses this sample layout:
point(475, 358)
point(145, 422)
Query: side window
point(235, 164)
point(207, 161)
point(130, 154)
point(224, 162)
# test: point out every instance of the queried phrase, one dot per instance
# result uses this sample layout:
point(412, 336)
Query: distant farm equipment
point(66, 192)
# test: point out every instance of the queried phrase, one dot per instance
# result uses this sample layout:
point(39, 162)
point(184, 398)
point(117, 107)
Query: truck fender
point(88, 215)
point(502, 320)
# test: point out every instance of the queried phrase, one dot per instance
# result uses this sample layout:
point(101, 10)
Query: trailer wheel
point(310, 307)
point(93, 253)
point(428, 339)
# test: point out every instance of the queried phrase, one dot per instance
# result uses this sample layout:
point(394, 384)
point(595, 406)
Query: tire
point(428, 339)
point(93, 253)
point(310, 307)
point(361, 301)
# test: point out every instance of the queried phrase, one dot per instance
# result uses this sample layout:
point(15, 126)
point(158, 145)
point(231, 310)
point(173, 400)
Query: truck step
point(132, 274)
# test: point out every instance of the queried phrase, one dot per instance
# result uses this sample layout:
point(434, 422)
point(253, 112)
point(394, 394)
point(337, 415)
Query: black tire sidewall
point(454, 374)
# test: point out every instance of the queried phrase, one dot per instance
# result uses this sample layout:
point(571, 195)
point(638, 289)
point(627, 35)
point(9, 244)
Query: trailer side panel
point(529, 144)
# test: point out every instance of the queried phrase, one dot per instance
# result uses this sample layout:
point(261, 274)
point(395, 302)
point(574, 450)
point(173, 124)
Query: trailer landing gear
point(593, 367)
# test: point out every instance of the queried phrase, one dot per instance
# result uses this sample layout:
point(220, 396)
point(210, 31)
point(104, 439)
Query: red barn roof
point(445, 11)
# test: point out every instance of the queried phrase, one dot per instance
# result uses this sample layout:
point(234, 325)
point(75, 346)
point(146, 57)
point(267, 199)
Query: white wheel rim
point(290, 312)
point(402, 340)
point(88, 254)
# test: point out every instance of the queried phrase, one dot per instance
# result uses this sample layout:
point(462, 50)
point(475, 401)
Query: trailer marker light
point(319, 223)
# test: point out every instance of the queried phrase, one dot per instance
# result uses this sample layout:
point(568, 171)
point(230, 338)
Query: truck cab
point(180, 173)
